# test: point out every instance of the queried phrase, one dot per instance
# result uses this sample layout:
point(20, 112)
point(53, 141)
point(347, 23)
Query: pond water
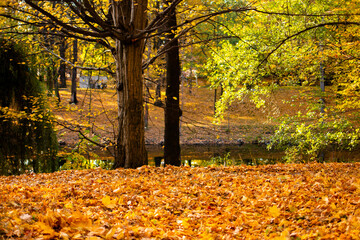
point(198, 155)
point(248, 154)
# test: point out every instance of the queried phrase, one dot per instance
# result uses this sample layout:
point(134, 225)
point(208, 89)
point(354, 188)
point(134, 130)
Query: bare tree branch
point(304, 14)
point(76, 66)
point(303, 31)
point(66, 25)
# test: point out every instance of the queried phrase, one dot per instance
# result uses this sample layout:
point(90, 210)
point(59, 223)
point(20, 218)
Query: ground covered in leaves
point(198, 125)
point(314, 201)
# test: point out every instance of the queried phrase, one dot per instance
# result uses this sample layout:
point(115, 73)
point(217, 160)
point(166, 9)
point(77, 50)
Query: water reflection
point(248, 154)
point(200, 155)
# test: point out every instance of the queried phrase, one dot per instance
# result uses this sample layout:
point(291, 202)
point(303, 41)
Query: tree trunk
point(73, 98)
point(49, 79)
point(215, 93)
point(146, 117)
point(172, 109)
point(158, 101)
point(130, 147)
point(56, 83)
point(62, 68)
point(190, 80)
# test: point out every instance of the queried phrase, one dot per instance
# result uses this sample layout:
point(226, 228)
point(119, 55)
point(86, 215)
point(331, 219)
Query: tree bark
point(130, 147)
point(146, 113)
point(49, 79)
point(62, 68)
point(56, 84)
point(73, 98)
point(158, 101)
point(172, 109)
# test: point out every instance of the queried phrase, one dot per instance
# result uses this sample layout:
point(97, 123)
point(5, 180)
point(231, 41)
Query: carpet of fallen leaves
point(293, 201)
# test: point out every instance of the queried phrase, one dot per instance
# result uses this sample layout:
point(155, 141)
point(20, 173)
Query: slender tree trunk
point(49, 81)
point(190, 80)
point(215, 99)
point(172, 109)
point(56, 83)
point(130, 147)
point(53, 77)
point(62, 68)
point(73, 98)
point(158, 101)
point(146, 117)
point(322, 100)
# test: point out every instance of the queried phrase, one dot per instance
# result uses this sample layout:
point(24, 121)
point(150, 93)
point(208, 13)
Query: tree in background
point(73, 98)
point(295, 43)
point(269, 33)
point(27, 138)
point(121, 27)
point(172, 108)
point(62, 68)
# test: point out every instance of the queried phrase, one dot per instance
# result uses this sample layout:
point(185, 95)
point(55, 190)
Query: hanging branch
point(301, 32)
point(76, 66)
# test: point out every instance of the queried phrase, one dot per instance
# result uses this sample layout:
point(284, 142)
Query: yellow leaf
point(46, 229)
point(284, 235)
point(99, 180)
point(69, 205)
point(274, 211)
point(108, 202)
point(111, 233)
point(333, 206)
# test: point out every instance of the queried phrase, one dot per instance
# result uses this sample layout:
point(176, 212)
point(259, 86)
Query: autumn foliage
point(314, 201)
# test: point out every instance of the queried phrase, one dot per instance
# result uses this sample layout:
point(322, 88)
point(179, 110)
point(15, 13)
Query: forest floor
point(243, 121)
point(282, 201)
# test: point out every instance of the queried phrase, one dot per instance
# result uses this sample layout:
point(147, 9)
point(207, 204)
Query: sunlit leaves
point(295, 59)
point(306, 136)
